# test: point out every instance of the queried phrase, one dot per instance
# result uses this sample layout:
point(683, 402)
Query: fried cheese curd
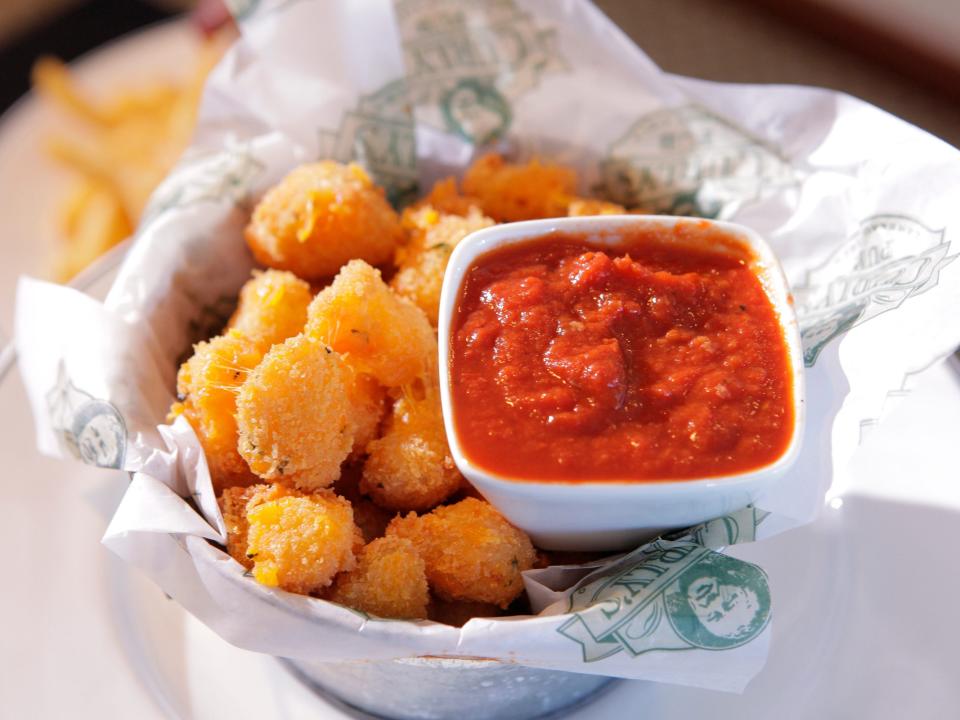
point(369, 401)
point(272, 307)
point(422, 262)
point(389, 581)
point(445, 198)
point(319, 217)
point(410, 467)
point(207, 387)
point(234, 503)
point(471, 552)
point(295, 417)
point(510, 192)
point(375, 330)
point(299, 542)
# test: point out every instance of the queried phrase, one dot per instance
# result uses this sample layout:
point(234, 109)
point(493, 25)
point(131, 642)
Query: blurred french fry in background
point(91, 222)
point(130, 141)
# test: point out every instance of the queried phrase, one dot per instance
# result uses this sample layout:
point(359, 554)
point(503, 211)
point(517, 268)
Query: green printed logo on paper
point(673, 594)
point(226, 175)
point(468, 60)
point(689, 161)
point(379, 135)
point(90, 429)
point(888, 260)
point(476, 111)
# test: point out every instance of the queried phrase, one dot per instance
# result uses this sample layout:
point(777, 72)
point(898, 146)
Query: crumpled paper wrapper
point(859, 206)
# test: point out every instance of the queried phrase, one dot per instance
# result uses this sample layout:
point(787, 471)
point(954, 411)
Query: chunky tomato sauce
point(650, 361)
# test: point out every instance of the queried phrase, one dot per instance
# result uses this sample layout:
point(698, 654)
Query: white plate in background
point(31, 185)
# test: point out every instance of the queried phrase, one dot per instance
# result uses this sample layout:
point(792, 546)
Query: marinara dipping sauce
point(647, 360)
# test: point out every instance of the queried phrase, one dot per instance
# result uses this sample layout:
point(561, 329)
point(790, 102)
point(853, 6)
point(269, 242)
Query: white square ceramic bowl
point(614, 515)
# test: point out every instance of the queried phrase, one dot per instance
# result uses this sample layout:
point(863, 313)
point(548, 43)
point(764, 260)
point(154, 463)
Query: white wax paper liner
point(858, 205)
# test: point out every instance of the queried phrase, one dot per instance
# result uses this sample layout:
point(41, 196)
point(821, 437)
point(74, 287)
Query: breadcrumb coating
point(273, 307)
point(422, 262)
point(300, 543)
point(234, 503)
point(319, 217)
point(377, 332)
point(369, 400)
point(233, 506)
point(410, 466)
point(471, 552)
point(509, 192)
point(294, 414)
point(444, 197)
point(207, 387)
point(389, 581)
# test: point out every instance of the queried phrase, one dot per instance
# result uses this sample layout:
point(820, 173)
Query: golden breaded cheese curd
point(471, 552)
point(273, 307)
point(589, 206)
point(320, 216)
point(423, 260)
point(377, 332)
point(410, 466)
point(369, 400)
point(389, 581)
point(509, 192)
point(234, 503)
point(300, 543)
point(444, 197)
point(294, 415)
point(207, 388)
point(233, 507)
